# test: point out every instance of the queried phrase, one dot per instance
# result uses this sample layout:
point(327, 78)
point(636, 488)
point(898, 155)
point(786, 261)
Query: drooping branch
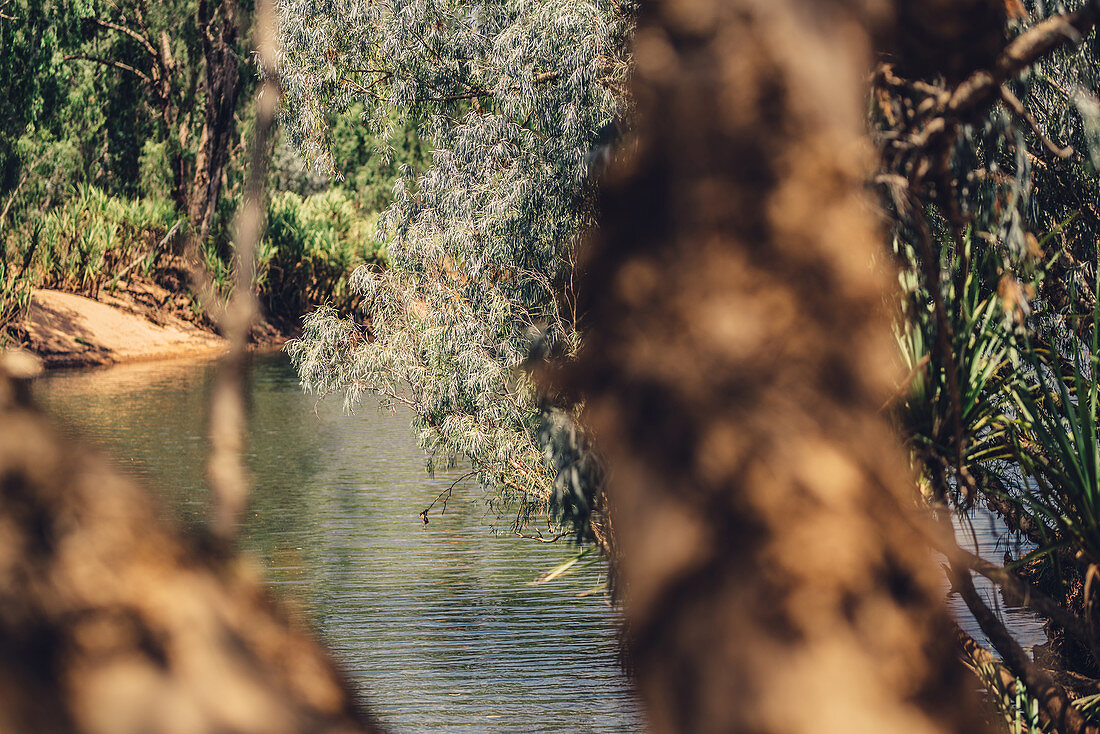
point(113, 63)
point(141, 39)
point(1018, 109)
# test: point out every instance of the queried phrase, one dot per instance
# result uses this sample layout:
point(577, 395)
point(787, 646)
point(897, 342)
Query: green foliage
point(310, 248)
point(29, 40)
point(518, 102)
point(370, 164)
point(985, 359)
point(1056, 443)
point(80, 244)
point(999, 324)
point(1014, 287)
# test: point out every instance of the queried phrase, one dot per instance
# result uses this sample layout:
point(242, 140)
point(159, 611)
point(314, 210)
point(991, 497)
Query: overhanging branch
point(111, 62)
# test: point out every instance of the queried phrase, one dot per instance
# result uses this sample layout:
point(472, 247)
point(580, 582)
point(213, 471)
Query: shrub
point(311, 245)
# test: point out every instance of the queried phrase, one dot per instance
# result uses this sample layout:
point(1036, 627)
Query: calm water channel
point(437, 625)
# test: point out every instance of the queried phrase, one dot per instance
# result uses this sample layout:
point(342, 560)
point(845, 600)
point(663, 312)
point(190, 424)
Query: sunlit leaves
point(513, 97)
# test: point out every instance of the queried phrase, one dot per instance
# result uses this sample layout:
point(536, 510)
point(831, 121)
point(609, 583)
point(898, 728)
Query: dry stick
point(960, 563)
point(1032, 597)
point(984, 86)
point(111, 62)
point(23, 179)
point(1013, 102)
point(156, 247)
point(424, 513)
point(226, 472)
point(1052, 697)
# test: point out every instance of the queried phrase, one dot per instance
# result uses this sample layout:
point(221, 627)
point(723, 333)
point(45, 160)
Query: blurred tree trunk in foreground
point(775, 574)
point(111, 623)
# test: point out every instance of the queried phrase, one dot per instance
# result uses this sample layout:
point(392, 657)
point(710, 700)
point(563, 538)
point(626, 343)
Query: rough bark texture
point(774, 576)
point(112, 623)
point(218, 28)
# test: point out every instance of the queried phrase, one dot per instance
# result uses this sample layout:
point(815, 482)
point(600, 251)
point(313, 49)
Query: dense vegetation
point(519, 102)
point(993, 193)
point(125, 129)
point(991, 187)
point(105, 152)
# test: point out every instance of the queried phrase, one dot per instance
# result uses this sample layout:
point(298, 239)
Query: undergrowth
point(94, 241)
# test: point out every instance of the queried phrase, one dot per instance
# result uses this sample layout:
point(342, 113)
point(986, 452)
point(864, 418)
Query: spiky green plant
point(1055, 440)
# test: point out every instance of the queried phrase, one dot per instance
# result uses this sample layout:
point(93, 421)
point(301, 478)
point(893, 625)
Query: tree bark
point(219, 31)
point(775, 572)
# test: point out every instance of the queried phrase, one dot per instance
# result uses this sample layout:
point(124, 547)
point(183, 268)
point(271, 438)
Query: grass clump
point(311, 246)
point(81, 246)
point(93, 240)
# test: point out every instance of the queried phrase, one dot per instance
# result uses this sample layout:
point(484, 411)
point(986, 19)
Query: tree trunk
point(219, 31)
point(113, 623)
point(775, 573)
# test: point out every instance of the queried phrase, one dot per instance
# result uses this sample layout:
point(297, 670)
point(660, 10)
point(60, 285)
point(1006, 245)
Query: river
point(437, 625)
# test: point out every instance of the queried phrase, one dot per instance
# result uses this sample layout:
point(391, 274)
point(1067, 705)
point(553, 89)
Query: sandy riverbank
point(67, 330)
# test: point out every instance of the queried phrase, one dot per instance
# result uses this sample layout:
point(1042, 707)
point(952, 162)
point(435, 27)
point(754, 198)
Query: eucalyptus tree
point(519, 102)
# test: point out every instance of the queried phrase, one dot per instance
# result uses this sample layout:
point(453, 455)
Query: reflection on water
point(436, 624)
point(984, 534)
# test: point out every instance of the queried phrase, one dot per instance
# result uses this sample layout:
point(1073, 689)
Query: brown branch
point(1051, 696)
point(982, 86)
point(111, 62)
point(540, 538)
point(903, 387)
point(1031, 597)
point(129, 32)
point(1018, 109)
point(18, 187)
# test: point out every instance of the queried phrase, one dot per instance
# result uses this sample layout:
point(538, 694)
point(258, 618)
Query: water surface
point(437, 625)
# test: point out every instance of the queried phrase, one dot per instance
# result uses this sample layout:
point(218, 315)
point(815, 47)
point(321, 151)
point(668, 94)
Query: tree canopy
point(518, 102)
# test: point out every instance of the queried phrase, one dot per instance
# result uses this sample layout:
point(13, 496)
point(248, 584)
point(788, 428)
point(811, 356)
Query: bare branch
point(129, 32)
point(111, 62)
point(1052, 697)
point(982, 86)
point(1013, 102)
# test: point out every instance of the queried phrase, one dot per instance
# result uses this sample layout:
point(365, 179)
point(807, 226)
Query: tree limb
point(1052, 697)
point(982, 86)
point(1018, 109)
point(111, 62)
point(129, 32)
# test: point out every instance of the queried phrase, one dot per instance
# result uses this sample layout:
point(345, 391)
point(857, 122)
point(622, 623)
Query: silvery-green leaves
point(513, 98)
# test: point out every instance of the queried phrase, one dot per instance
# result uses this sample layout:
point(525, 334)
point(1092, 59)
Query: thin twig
point(1018, 109)
point(110, 62)
point(424, 513)
point(156, 247)
point(129, 32)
